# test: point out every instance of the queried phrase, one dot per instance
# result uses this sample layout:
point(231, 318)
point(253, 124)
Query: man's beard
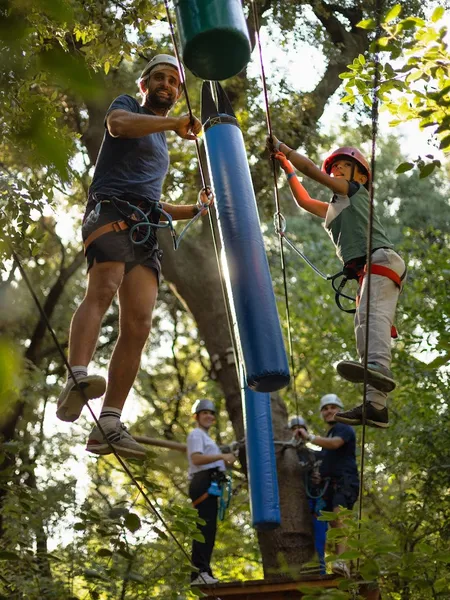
point(153, 99)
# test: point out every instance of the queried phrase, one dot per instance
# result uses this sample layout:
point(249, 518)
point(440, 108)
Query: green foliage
point(413, 88)
point(77, 534)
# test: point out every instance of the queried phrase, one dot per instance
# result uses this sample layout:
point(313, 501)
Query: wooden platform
point(264, 589)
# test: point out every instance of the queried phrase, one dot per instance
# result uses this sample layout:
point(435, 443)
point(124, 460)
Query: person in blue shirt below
point(346, 173)
point(338, 466)
point(122, 259)
point(207, 464)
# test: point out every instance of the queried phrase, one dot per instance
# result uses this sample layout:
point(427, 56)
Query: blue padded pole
point(261, 463)
point(252, 296)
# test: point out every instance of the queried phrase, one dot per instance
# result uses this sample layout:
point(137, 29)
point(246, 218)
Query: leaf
point(438, 13)
point(350, 554)
point(445, 143)
point(132, 522)
point(403, 167)
point(370, 570)
point(117, 512)
point(427, 170)
point(393, 13)
point(107, 66)
point(93, 574)
point(135, 577)
point(104, 552)
point(361, 59)
point(162, 534)
point(367, 24)
point(79, 526)
point(5, 555)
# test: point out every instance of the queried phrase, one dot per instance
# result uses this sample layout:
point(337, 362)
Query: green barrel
point(214, 37)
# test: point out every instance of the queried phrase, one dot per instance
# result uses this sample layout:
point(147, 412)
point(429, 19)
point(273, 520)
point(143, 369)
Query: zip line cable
point(278, 217)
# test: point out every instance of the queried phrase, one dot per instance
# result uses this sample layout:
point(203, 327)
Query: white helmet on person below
point(330, 399)
point(297, 422)
point(203, 404)
point(162, 59)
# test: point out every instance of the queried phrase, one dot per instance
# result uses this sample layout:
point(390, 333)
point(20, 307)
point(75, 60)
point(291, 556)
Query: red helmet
point(351, 153)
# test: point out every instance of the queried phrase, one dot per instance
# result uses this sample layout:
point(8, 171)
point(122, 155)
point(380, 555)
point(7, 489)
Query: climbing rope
point(203, 175)
point(281, 225)
point(122, 463)
point(374, 116)
point(278, 217)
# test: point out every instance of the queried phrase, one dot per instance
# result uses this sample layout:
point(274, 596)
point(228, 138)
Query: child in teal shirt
point(346, 173)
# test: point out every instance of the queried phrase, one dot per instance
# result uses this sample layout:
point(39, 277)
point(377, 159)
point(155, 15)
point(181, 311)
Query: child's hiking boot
point(378, 376)
point(374, 417)
point(204, 579)
point(340, 568)
point(119, 438)
point(71, 400)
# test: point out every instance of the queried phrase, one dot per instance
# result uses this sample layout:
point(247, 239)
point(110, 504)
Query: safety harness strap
point(114, 226)
point(200, 499)
point(384, 272)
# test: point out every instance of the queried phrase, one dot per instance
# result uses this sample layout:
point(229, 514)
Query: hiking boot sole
point(69, 409)
point(104, 449)
point(356, 422)
point(354, 371)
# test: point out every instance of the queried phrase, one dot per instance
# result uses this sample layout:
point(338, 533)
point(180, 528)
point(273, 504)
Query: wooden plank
point(277, 590)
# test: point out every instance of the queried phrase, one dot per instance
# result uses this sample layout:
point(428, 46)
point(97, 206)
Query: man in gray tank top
point(125, 190)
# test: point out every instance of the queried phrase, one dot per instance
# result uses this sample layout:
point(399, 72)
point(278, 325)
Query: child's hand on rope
point(272, 144)
point(284, 163)
point(205, 200)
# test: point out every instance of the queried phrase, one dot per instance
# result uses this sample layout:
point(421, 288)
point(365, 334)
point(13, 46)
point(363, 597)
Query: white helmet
point(162, 59)
point(203, 404)
point(297, 422)
point(330, 399)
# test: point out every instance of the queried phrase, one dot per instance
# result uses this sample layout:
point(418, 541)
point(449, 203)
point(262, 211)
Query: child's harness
point(357, 269)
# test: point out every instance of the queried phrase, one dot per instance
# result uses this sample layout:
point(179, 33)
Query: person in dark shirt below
point(338, 466)
point(121, 247)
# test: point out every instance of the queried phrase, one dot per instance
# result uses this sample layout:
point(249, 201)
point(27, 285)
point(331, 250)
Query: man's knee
point(104, 281)
point(136, 326)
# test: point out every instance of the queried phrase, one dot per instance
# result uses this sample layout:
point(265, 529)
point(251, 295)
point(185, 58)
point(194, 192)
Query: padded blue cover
point(261, 463)
point(253, 299)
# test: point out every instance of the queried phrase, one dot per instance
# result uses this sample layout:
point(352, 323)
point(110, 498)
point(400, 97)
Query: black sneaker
point(377, 376)
point(374, 417)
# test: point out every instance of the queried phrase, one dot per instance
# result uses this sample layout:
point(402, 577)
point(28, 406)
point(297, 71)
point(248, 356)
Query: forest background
point(72, 526)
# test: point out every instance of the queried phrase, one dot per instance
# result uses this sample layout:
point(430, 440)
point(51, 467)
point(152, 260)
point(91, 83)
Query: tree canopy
point(72, 527)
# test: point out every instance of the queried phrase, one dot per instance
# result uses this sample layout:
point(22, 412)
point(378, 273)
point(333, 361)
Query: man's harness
point(141, 219)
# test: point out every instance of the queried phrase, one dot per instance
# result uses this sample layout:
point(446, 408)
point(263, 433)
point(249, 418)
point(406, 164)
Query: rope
point(203, 171)
point(278, 217)
point(69, 369)
point(201, 164)
point(376, 81)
